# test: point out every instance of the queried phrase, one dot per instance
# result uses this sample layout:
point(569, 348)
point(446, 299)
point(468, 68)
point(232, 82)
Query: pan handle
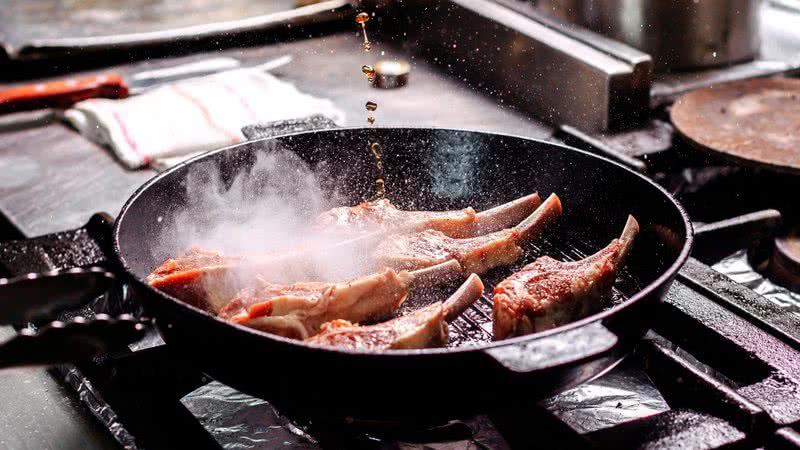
point(56, 272)
point(89, 245)
point(35, 296)
point(554, 350)
point(71, 341)
point(290, 126)
point(716, 240)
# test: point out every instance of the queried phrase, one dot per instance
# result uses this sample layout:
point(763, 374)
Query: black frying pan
point(427, 169)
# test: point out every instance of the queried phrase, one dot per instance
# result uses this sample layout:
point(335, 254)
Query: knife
point(66, 92)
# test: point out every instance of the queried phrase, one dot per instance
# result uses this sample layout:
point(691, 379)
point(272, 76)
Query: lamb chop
point(208, 279)
point(298, 310)
point(198, 278)
point(476, 254)
point(548, 293)
point(382, 215)
point(425, 327)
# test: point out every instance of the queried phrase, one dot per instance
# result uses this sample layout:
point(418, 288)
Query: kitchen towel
point(187, 117)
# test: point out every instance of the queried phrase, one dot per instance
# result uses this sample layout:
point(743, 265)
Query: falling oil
point(375, 148)
point(380, 185)
point(362, 19)
point(369, 72)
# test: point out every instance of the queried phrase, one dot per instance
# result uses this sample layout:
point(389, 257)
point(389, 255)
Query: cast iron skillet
point(426, 169)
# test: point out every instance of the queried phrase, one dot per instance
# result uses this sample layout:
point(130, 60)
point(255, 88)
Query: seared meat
point(548, 293)
point(208, 279)
point(382, 215)
point(476, 254)
point(198, 278)
point(425, 327)
point(298, 310)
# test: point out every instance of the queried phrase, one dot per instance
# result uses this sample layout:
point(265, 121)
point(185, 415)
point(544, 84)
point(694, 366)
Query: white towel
point(186, 117)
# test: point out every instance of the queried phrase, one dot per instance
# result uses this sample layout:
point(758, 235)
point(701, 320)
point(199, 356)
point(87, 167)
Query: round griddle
point(756, 122)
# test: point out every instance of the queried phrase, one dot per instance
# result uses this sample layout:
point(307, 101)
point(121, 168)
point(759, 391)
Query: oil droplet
point(369, 72)
point(371, 106)
point(371, 120)
point(380, 188)
point(362, 17)
point(380, 185)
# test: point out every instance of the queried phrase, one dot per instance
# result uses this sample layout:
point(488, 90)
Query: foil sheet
point(95, 403)
point(738, 268)
point(626, 393)
point(239, 421)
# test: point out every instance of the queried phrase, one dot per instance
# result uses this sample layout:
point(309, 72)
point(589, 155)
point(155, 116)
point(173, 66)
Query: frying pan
point(425, 169)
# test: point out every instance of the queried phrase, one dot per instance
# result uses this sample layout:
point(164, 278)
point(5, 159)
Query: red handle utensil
point(61, 93)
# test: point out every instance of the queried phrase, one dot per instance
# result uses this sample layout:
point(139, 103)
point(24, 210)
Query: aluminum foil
point(626, 393)
point(239, 421)
point(92, 400)
point(737, 268)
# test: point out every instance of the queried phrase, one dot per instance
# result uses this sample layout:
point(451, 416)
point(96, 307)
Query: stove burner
point(784, 264)
point(751, 122)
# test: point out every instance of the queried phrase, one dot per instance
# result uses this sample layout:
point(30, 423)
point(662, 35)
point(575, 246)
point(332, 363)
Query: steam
point(266, 213)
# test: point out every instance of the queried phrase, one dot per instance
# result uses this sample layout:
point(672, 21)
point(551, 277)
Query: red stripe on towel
point(206, 114)
point(243, 101)
point(126, 134)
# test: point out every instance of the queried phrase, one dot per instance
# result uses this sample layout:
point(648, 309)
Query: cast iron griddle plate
point(754, 121)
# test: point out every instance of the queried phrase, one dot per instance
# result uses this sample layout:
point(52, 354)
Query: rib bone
point(382, 215)
point(476, 255)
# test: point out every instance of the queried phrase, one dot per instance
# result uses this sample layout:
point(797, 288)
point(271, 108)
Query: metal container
point(678, 34)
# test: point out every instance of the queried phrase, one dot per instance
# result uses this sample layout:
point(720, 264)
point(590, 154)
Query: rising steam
point(264, 214)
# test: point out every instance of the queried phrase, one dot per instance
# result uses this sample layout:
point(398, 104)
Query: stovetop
point(720, 368)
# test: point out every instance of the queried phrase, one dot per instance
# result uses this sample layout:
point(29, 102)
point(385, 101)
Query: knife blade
point(66, 92)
